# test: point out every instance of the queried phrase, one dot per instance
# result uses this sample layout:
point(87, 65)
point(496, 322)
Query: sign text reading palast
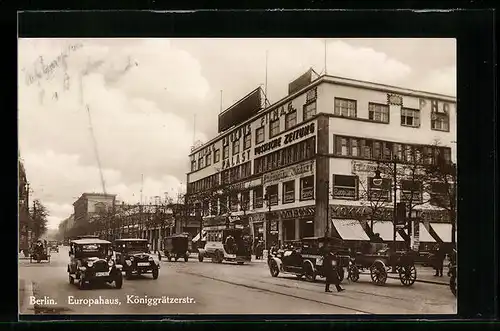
point(288, 138)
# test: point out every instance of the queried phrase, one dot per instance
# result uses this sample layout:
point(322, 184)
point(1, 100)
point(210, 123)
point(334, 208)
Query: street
point(207, 288)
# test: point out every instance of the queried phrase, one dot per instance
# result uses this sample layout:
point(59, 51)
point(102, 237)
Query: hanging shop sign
point(273, 227)
point(286, 139)
point(299, 170)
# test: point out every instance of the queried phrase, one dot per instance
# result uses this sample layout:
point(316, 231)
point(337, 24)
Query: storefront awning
point(443, 230)
point(386, 230)
point(350, 230)
point(424, 236)
point(195, 239)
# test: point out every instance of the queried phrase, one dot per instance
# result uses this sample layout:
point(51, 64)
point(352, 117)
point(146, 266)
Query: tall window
point(307, 188)
point(345, 107)
point(247, 141)
point(201, 163)
point(216, 155)
point(208, 159)
point(223, 204)
point(236, 147)
point(245, 200)
point(257, 197)
point(289, 191)
point(290, 120)
point(354, 147)
point(234, 202)
point(410, 117)
point(246, 169)
point(225, 152)
point(345, 187)
point(309, 110)
point(378, 112)
point(214, 208)
point(272, 194)
point(274, 128)
point(259, 135)
point(225, 177)
point(379, 191)
point(439, 194)
point(206, 208)
point(411, 190)
point(193, 165)
point(440, 122)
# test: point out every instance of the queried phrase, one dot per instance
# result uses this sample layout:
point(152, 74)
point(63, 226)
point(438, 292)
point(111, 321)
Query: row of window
point(233, 203)
point(295, 153)
point(380, 113)
point(371, 149)
point(347, 188)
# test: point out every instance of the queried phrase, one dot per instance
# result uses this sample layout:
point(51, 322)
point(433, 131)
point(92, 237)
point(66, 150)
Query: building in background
point(299, 168)
point(90, 205)
point(24, 218)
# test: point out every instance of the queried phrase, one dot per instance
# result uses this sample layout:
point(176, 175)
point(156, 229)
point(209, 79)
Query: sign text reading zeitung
point(288, 138)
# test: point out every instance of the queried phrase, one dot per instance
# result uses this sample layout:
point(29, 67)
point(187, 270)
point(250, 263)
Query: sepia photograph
point(171, 176)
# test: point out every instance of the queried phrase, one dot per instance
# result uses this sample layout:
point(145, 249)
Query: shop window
point(345, 107)
point(214, 208)
point(234, 202)
point(377, 150)
point(225, 152)
point(411, 191)
point(289, 192)
point(378, 112)
point(258, 197)
point(290, 120)
point(410, 117)
point(439, 193)
point(345, 187)
point(274, 128)
point(236, 147)
point(272, 195)
point(307, 188)
point(259, 135)
point(309, 111)
point(247, 142)
point(379, 191)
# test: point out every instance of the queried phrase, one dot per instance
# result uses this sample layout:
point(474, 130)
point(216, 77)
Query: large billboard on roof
point(302, 81)
point(242, 110)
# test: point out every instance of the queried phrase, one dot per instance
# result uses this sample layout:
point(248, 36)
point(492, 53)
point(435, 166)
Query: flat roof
point(333, 80)
point(131, 239)
point(90, 241)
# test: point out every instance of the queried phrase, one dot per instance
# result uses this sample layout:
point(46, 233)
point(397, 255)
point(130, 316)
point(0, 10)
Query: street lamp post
point(267, 198)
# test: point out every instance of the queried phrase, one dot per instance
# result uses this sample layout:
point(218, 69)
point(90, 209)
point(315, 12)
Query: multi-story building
point(24, 220)
point(299, 167)
point(92, 204)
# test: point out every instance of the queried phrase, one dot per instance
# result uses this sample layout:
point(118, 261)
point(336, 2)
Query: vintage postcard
point(237, 176)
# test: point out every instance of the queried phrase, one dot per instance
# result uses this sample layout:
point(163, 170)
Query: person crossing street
point(331, 271)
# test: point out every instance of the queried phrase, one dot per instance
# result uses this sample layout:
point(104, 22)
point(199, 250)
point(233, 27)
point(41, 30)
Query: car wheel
point(128, 274)
point(186, 258)
point(310, 273)
point(200, 257)
point(156, 272)
point(273, 268)
point(118, 280)
point(169, 258)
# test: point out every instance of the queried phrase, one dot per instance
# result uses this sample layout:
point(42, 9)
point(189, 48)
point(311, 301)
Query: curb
point(423, 281)
point(28, 291)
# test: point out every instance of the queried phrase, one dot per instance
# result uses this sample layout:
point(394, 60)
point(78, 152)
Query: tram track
point(355, 310)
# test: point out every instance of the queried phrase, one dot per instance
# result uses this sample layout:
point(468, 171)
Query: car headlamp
point(150, 258)
point(90, 264)
point(334, 262)
point(132, 258)
point(111, 262)
point(128, 262)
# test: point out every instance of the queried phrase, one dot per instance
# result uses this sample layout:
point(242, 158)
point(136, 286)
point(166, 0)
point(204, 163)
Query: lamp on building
point(377, 180)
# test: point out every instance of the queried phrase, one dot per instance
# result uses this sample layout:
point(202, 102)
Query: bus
point(226, 244)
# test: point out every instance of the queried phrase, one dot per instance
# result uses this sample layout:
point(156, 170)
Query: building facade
point(24, 218)
point(92, 204)
point(305, 165)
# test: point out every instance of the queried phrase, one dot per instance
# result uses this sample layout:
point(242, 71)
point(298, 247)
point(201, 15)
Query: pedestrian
point(439, 260)
point(331, 271)
point(159, 255)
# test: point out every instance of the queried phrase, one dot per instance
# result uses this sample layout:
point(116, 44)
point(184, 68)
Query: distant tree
point(39, 214)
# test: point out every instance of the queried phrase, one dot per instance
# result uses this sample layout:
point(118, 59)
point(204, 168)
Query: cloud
point(441, 80)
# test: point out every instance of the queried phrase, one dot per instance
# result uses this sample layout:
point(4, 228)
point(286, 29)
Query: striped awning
point(195, 239)
point(424, 236)
point(443, 230)
point(386, 231)
point(350, 229)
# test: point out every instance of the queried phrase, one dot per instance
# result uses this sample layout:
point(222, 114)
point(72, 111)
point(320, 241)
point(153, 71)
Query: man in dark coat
point(438, 260)
point(331, 271)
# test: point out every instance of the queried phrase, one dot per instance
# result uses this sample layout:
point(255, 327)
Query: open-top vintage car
point(177, 247)
point(39, 252)
point(305, 258)
point(383, 262)
point(91, 261)
point(133, 254)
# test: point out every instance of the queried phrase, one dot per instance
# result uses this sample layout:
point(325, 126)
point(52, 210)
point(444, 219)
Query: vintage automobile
point(91, 261)
point(177, 247)
point(53, 246)
point(305, 258)
point(383, 262)
point(226, 244)
point(39, 252)
point(133, 254)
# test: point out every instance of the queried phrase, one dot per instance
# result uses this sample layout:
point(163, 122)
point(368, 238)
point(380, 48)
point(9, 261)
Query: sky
point(150, 99)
